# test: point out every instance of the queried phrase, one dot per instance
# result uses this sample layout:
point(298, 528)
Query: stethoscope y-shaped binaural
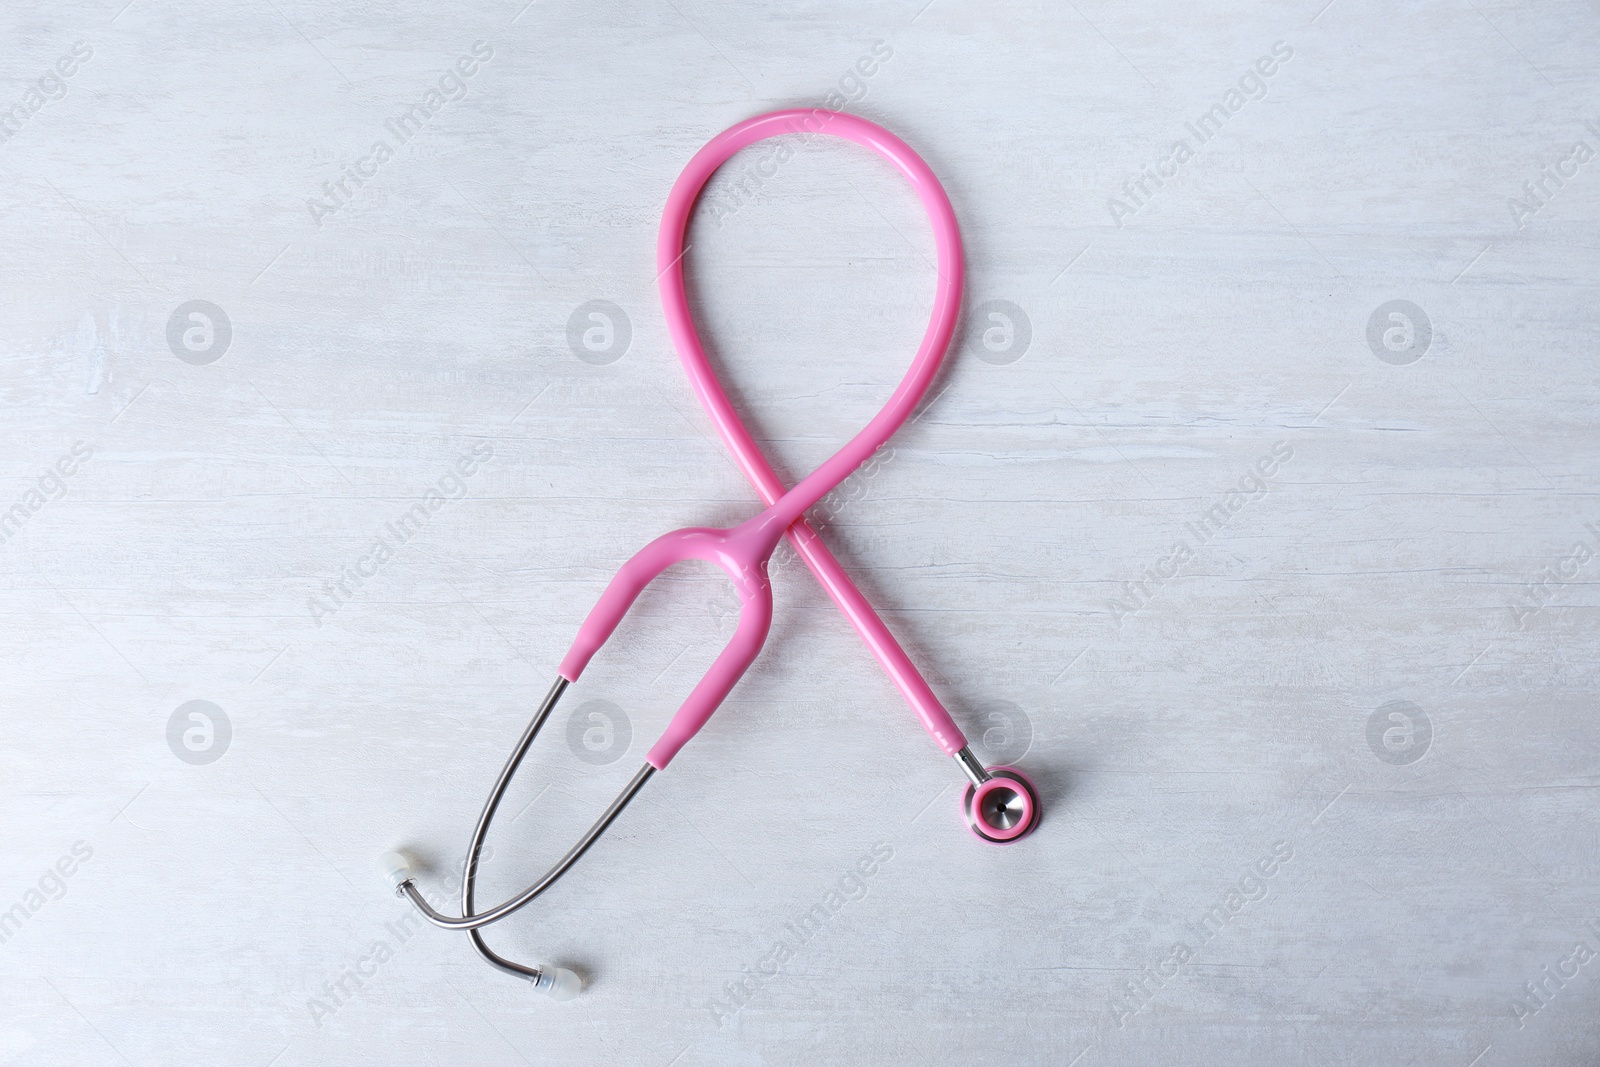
point(1000, 804)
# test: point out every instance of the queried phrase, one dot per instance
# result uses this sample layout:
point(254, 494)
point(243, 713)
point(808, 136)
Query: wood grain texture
point(1244, 858)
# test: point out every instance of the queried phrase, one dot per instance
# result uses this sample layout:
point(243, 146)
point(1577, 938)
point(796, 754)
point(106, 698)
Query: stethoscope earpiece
point(558, 983)
point(398, 869)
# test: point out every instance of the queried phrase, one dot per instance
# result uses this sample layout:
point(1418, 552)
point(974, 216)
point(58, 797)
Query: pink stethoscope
point(1000, 805)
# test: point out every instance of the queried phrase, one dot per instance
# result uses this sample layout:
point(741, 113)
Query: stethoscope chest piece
point(1002, 809)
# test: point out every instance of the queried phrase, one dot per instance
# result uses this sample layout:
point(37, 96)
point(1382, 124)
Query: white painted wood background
point(1428, 540)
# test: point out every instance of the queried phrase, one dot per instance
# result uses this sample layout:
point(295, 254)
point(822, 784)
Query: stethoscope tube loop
point(743, 551)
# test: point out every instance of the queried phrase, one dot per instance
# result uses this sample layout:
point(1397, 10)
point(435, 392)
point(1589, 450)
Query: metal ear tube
point(1000, 805)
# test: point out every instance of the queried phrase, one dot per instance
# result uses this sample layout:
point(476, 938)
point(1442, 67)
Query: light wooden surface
point(1422, 546)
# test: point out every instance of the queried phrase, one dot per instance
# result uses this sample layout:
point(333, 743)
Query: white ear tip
point(558, 983)
point(396, 867)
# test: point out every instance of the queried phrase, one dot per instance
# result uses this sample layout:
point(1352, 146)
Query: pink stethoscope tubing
point(743, 551)
point(1001, 804)
point(935, 341)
